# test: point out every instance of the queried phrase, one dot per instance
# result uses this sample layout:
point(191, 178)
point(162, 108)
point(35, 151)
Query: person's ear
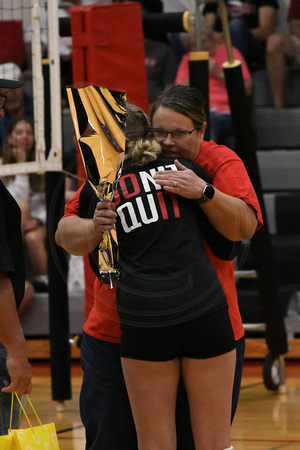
point(203, 128)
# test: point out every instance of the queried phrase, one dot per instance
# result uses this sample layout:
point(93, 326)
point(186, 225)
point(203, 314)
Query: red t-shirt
point(229, 176)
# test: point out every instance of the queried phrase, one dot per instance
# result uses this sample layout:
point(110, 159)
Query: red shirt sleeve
point(233, 179)
point(229, 174)
point(72, 206)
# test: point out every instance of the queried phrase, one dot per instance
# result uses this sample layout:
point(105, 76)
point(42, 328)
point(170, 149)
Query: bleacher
point(278, 155)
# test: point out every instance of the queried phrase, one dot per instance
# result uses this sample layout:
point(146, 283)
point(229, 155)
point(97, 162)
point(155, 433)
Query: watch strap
point(207, 194)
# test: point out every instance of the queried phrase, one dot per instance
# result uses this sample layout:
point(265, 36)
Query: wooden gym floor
point(265, 420)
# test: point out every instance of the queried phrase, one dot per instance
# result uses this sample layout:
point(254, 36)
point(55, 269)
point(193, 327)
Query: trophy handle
point(108, 274)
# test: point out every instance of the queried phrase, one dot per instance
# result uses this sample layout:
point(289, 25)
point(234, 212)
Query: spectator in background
point(220, 117)
point(283, 50)
point(28, 191)
point(251, 22)
point(18, 101)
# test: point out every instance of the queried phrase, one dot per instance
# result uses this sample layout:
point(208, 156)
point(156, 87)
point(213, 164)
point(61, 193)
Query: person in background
point(220, 117)
point(104, 405)
point(18, 102)
point(251, 22)
point(28, 191)
point(15, 370)
point(283, 50)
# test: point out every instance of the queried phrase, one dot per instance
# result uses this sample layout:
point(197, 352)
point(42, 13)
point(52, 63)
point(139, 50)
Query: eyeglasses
point(3, 99)
point(160, 133)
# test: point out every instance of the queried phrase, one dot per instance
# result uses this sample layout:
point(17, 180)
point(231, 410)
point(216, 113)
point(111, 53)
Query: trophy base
point(109, 277)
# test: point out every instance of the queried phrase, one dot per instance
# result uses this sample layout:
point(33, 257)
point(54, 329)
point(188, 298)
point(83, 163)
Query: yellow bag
point(42, 437)
point(6, 442)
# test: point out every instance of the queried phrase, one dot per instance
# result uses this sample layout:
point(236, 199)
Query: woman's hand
point(80, 236)
point(20, 154)
point(182, 182)
point(104, 217)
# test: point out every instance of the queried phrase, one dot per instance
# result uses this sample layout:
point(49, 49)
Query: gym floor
point(265, 420)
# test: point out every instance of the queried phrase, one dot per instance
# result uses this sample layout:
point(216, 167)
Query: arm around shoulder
point(231, 217)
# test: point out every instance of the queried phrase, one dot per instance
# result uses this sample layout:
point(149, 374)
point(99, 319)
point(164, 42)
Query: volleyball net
point(29, 37)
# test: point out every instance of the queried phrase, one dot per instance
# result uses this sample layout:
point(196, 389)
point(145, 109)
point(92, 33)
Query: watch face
point(209, 191)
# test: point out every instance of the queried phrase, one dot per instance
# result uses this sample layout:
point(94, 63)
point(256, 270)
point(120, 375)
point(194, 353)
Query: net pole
point(55, 93)
point(37, 81)
point(55, 189)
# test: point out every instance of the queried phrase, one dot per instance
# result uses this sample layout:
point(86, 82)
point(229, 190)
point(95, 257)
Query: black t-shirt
point(11, 245)
point(246, 10)
point(166, 276)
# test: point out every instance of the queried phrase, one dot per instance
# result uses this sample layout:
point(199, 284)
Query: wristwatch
point(207, 194)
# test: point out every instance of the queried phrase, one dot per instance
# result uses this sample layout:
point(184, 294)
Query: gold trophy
point(99, 119)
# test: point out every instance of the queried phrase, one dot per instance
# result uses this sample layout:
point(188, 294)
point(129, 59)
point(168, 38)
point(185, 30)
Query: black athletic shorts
point(206, 336)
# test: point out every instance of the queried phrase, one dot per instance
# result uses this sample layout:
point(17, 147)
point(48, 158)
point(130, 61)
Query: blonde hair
point(142, 151)
point(139, 149)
